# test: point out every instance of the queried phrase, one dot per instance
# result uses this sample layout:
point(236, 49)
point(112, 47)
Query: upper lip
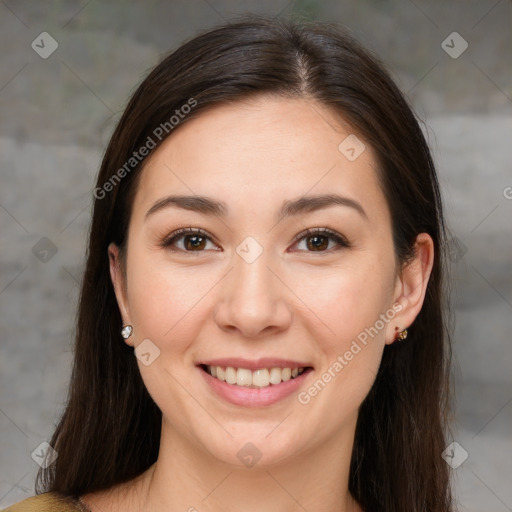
point(254, 364)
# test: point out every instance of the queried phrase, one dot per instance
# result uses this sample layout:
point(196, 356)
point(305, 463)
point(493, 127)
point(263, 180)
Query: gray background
point(57, 114)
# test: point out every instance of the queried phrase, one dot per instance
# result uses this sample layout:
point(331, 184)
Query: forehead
point(255, 154)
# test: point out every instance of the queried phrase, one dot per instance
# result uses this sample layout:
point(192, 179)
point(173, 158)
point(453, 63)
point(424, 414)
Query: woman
point(261, 319)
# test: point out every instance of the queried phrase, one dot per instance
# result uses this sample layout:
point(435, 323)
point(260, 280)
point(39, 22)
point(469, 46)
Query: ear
point(118, 281)
point(411, 286)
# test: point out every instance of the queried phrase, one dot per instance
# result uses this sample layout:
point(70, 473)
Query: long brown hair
point(110, 429)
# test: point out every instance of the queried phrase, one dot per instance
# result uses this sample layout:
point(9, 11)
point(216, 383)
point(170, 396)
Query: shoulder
point(46, 502)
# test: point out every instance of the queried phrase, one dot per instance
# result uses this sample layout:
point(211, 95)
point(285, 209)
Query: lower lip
point(254, 397)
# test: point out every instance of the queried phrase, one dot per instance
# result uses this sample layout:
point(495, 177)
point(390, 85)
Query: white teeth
point(275, 376)
point(259, 378)
point(286, 374)
point(243, 377)
point(230, 375)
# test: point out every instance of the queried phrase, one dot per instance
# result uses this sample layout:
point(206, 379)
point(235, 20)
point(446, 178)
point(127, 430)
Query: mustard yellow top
point(47, 502)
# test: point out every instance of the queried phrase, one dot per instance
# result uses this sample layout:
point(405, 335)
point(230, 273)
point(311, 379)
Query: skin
point(291, 302)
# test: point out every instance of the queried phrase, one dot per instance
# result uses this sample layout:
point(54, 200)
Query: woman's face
point(248, 291)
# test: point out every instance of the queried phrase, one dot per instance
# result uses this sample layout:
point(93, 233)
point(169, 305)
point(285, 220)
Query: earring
point(401, 335)
point(126, 331)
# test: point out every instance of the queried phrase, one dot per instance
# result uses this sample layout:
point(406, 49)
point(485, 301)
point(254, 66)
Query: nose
point(253, 300)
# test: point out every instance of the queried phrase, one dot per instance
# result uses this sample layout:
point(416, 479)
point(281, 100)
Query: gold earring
point(401, 335)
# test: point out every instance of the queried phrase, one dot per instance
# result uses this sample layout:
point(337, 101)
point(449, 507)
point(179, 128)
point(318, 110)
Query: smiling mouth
point(262, 378)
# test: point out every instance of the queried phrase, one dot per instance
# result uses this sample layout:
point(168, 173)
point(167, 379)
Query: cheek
point(351, 348)
point(162, 299)
point(347, 300)
point(350, 311)
point(166, 307)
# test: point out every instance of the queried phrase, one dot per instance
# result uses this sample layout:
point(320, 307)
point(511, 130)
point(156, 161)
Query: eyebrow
point(304, 204)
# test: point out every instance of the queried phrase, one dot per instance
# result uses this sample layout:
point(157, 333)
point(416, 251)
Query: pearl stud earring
point(127, 331)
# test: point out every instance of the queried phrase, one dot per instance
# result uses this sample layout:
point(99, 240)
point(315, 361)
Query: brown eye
point(317, 243)
point(194, 242)
point(319, 240)
point(187, 240)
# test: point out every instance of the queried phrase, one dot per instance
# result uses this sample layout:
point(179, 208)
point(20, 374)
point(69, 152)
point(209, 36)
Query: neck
point(185, 479)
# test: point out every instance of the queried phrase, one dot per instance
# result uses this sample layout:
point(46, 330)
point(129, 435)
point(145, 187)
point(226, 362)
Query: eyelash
point(326, 232)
